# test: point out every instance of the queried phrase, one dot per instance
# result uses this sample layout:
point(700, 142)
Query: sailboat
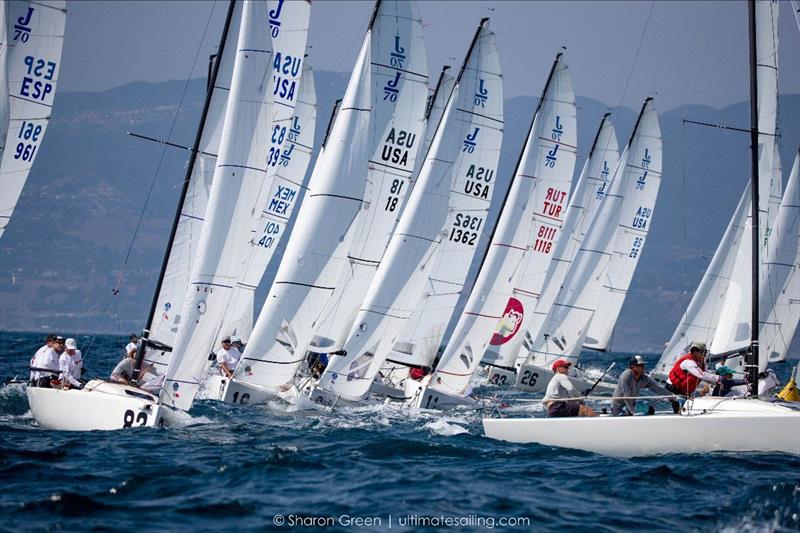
point(705, 423)
point(513, 333)
point(242, 147)
point(371, 129)
point(522, 244)
point(606, 260)
point(31, 39)
point(446, 209)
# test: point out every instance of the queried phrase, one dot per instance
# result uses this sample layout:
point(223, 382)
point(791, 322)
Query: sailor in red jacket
point(690, 370)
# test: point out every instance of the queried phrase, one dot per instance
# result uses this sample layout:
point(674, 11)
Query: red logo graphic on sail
point(509, 324)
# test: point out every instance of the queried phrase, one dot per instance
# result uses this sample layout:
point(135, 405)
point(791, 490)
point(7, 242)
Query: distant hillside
point(64, 253)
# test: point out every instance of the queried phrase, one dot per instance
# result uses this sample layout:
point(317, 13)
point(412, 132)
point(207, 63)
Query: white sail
point(767, 88)
point(779, 293)
point(307, 275)
point(462, 158)
point(628, 205)
point(388, 181)
point(173, 290)
point(403, 352)
point(241, 167)
point(527, 230)
point(514, 333)
point(293, 116)
point(5, 100)
point(33, 58)
point(700, 320)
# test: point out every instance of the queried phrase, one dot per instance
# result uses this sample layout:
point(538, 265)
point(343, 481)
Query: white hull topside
point(100, 405)
point(704, 425)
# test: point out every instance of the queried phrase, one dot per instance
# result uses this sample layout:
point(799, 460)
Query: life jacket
point(683, 380)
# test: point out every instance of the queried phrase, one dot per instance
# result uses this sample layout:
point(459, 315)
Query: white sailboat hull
point(100, 405)
point(704, 425)
point(534, 378)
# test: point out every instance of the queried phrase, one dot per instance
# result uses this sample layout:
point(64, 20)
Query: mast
point(436, 90)
point(189, 169)
point(751, 363)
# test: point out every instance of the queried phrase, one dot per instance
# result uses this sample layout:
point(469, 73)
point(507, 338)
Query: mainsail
point(442, 208)
point(291, 143)
point(628, 208)
point(30, 57)
point(733, 331)
point(388, 181)
point(171, 293)
point(592, 186)
point(307, 276)
point(238, 176)
point(527, 230)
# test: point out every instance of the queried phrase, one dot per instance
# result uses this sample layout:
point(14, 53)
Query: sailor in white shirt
point(559, 389)
point(133, 345)
point(44, 365)
point(71, 365)
point(227, 358)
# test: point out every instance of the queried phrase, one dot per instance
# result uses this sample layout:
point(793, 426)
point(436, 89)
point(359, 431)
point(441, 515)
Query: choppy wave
point(225, 466)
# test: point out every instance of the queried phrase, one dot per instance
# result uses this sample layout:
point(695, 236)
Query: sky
point(618, 52)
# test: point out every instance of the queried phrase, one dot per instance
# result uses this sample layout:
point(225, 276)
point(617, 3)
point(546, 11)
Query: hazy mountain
point(73, 259)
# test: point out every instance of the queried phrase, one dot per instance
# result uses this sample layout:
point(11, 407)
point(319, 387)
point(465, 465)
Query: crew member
point(630, 382)
point(227, 358)
point(690, 370)
point(560, 388)
point(726, 382)
point(133, 345)
point(71, 365)
point(44, 364)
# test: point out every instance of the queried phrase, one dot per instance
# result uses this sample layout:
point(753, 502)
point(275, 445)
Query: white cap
point(235, 339)
point(71, 344)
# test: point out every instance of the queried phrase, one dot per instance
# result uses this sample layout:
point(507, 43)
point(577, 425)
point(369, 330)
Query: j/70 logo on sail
point(397, 57)
point(274, 19)
point(509, 324)
point(22, 30)
point(471, 141)
point(482, 94)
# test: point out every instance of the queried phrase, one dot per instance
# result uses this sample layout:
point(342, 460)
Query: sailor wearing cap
point(690, 370)
point(227, 357)
point(44, 365)
point(71, 365)
point(630, 382)
point(558, 389)
point(726, 382)
point(237, 343)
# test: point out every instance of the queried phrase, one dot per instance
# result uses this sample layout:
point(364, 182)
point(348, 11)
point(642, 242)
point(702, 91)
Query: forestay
point(30, 59)
point(528, 226)
point(237, 178)
point(779, 293)
point(514, 333)
point(180, 258)
point(461, 161)
point(291, 143)
point(389, 173)
point(307, 275)
point(627, 209)
point(700, 320)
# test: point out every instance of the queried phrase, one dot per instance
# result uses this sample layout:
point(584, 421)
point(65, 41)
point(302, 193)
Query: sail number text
point(466, 229)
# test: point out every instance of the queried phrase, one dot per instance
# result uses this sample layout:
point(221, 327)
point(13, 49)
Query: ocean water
point(376, 468)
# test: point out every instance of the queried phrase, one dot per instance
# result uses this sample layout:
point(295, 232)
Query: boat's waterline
point(100, 405)
point(704, 425)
